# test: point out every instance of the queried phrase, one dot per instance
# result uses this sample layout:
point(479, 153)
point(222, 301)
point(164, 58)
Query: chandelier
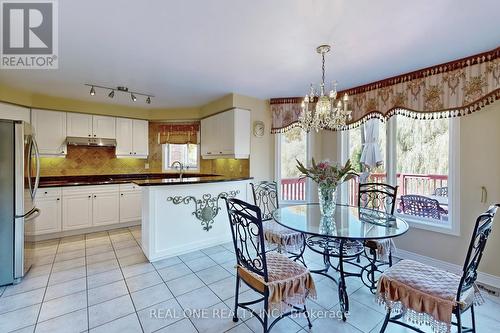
point(329, 113)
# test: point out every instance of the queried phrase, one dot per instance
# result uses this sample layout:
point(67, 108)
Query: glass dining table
point(341, 236)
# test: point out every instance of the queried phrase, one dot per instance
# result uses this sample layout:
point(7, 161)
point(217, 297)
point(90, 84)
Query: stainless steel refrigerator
point(19, 177)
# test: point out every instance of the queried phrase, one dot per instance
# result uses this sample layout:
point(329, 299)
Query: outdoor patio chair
point(276, 236)
point(422, 294)
point(283, 283)
point(419, 205)
point(441, 191)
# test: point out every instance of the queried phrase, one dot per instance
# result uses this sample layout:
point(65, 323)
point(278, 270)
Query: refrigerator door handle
point(29, 214)
point(37, 156)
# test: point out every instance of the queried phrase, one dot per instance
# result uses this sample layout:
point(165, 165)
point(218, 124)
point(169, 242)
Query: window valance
point(452, 89)
point(178, 133)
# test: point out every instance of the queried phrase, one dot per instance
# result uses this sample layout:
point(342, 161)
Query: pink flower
point(323, 165)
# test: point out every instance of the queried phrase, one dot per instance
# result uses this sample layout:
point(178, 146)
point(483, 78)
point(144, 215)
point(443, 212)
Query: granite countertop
point(187, 179)
point(61, 181)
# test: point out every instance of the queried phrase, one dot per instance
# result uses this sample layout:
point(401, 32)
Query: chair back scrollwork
point(377, 196)
point(265, 196)
point(482, 230)
point(248, 237)
point(419, 205)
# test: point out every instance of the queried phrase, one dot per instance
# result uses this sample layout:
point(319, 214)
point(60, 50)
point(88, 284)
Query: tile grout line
point(86, 283)
point(165, 283)
point(46, 286)
point(125, 281)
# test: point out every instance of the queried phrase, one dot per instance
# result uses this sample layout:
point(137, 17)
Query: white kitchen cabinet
point(79, 124)
point(86, 126)
point(105, 208)
point(130, 203)
point(50, 131)
point(50, 218)
point(14, 112)
point(87, 206)
point(226, 135)
point(132, 138)
point(104, 127)
point(77, 211)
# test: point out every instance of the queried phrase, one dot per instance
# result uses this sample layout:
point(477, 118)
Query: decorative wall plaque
point(206, 208)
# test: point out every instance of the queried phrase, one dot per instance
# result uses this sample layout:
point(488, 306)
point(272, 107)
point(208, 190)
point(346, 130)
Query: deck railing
point(293, 189)
point(423, 184)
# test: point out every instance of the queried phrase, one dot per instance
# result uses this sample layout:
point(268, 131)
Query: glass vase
point(327, 199)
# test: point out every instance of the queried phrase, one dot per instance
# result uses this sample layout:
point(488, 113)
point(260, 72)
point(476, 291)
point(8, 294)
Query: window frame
point(277, 171)
point(167, 166)
point(452, 227)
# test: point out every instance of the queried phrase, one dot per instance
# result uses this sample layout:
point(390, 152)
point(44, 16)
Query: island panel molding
point(452, 89)
point(170, 230)
point(206, 208)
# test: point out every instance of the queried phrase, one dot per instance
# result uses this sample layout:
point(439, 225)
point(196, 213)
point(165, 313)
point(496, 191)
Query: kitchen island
point(184, 215)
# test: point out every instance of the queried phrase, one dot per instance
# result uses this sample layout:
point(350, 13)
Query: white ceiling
point(189, 52)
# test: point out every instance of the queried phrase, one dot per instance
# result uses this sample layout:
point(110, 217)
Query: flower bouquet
point(328, 176)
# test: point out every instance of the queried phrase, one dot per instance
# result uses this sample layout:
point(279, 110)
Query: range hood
point(92, 142)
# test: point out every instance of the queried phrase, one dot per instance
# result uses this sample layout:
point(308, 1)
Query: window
point(422, 168)
point(421, 157)
point(187, 154)
point(291, 145)
point(375, 174)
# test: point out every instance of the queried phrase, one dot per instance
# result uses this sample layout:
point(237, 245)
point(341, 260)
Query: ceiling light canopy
point(328, 113)
point(121, 89)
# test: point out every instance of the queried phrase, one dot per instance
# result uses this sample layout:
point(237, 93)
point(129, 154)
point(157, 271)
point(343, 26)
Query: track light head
point(148, 100)
point(111, 94)
point(92, 91)
point(133, 97)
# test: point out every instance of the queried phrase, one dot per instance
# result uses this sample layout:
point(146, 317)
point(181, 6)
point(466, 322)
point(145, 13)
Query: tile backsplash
point(82, 160)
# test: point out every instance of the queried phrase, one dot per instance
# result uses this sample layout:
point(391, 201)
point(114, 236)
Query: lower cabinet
point(88, 206)
point(49, 220)
point(79, 207)
point(77, 212)
point(105, 208)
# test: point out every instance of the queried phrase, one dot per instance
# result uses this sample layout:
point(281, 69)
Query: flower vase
point(327, 199)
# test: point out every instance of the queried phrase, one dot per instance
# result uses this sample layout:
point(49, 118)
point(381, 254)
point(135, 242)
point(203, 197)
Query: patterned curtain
point(452, 89)
point(178, 133)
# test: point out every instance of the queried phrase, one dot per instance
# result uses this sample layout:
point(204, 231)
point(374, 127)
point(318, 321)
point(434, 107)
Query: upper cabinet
point(14, 112)
point(132, 138)
point(86, 125)
point(226, 135)
point(50, 131)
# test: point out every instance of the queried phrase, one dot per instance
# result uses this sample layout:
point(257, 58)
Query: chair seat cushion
point(289, 282)
point(275, 233)
point(423, 289)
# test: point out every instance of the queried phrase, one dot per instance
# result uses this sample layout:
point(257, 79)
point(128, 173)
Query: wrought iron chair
point(273, 275)
point(423, 280)
point(441, 191)
point(380, 197)
point(265, 195)
point(422, 206)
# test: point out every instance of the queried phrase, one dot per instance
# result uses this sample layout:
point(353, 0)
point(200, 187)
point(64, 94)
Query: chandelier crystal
point(328, 113)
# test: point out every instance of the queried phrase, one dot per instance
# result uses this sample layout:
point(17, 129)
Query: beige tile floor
point(102, 282)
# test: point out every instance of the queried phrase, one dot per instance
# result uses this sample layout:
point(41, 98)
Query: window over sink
point(187, 154)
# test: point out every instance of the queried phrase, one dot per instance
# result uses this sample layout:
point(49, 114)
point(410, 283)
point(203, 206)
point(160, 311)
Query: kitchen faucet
point(181, 168)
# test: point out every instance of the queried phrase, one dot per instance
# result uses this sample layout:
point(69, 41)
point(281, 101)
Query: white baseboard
point(482, 278)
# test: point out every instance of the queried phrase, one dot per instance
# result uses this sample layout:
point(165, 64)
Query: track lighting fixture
point(120, 89)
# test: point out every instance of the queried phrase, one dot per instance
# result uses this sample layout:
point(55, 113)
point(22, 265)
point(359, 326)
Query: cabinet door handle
point(95, 135)
point(121, 194)
point(90, 196)
point(89, 135)
point(45, 192)
point(95, 196)
point(135, 153)
point(58, 199)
